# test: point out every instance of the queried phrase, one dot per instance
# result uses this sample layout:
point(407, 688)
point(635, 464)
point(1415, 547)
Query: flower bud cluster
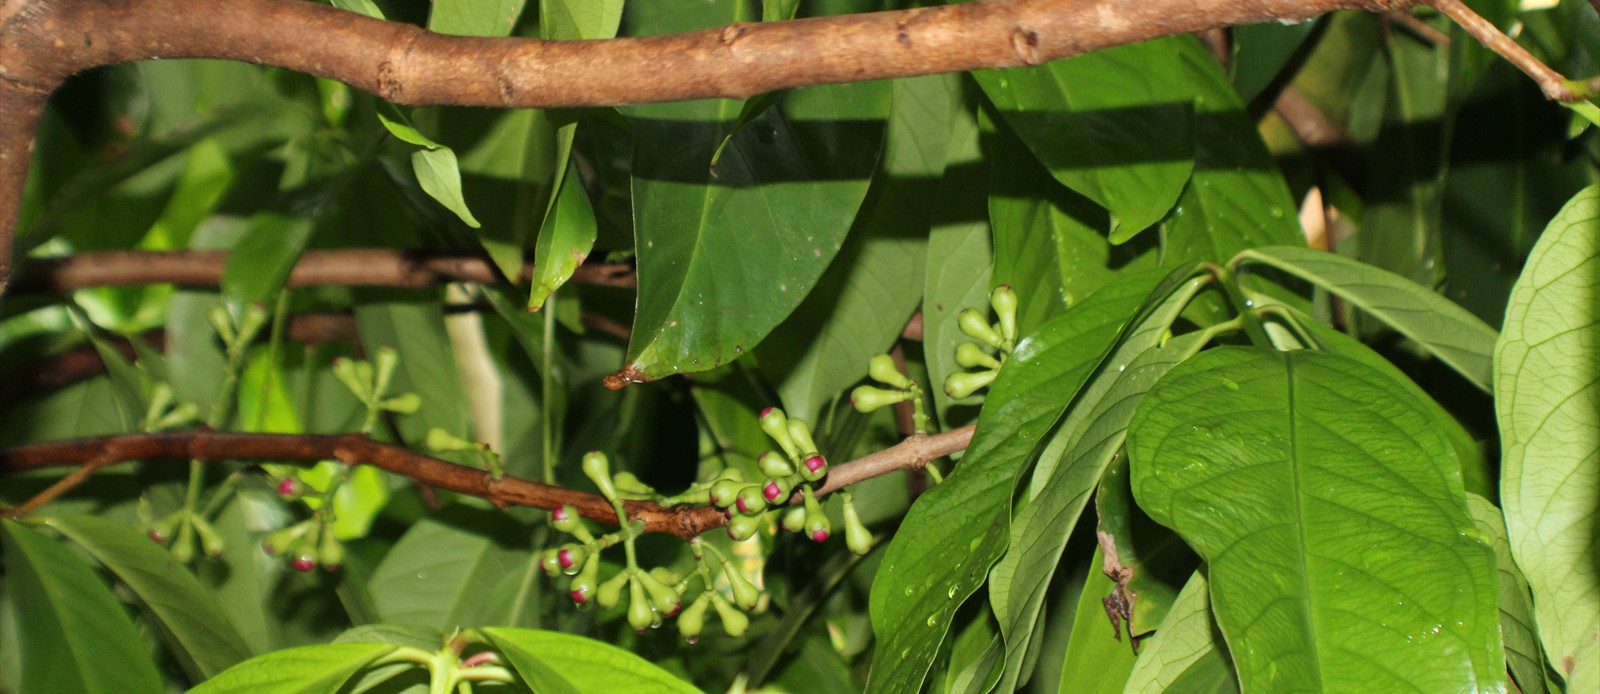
point(187, 531)
point(797, 466)
point(307, 544)
point(982, 364)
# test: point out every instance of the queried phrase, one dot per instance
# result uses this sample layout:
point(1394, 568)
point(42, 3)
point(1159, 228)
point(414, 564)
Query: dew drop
point(933, 620)
point(910, 591)
point(951, 594)
point(905, 654)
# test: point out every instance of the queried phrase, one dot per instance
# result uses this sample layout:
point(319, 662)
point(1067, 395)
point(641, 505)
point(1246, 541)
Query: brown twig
point(1550, 82)
point(57, 488)
point(1415, 25)
point(355, 267)
point(355, 449)
point(1313, 127)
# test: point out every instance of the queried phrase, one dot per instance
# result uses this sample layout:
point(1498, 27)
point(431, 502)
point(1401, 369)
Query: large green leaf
point(1547, 385)
point(1099, 659)
point(1187, 653)
point(1072, 464)
point(957, 529)
point(75, 637)
point(865, 297)
point(1523, 654)
point(458, 568)
point(193, 624)
point(1448, 331)
point(260, 263)
point(474, 17)
point(1331, 515)
point(1115, 125)
point(579, 19)
point(725, 257)
point(958, 262)
point(559, 662)
point(302, 670)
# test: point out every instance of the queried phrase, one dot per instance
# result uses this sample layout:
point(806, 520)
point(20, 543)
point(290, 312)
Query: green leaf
point(1332, 519)
point(457, 568)
point(75, 637)
point(302, 670)
point(1237, 197)
point(865, 297)
point(567, 235)
point(193, 624)
point(778, 10)
point(1446, 330)
point(579, 19)
point(554, 661)
point(1547, 386)
point(1098, 659)
point(1073, 463)
point(260, 263)
point(1187, 653)
point(958, 261)
point(723, 259)
point(1260, 53)
point(474, 17)
point(956, 530)
point(366, 7)
point(1115, 125)
point(413, 635)
point(427, 367)
point(440, 177)
point(1517, 630)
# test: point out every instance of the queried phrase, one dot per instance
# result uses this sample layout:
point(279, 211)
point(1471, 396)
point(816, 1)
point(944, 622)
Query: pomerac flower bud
point(330, 552)
point(960, 385)
point(817, 527)
point(662, 598)
point(742, 528)
point(610, 592)
point(751, 500)
point(734, 623)
point(814, 468)
point(210, 540)
point(598, 469)
point(693, 619)
point(745, 594)
point(976, 327)
point(871, 398)
point(640, 614)
point(289, 487)
point(800, 432)
point(1004, 301)
point(774, 465)
point(384, 363)
point(570, 557)
point(794, 519)
point(775, 491)
point(883, 370)
point(777, 426)
point(564, 518)
point(725, 492)
point(970, 356)
point(856, 535)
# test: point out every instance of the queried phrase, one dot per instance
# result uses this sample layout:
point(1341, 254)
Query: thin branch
point(1422, 29)
point(355, 449)
point(1550, 82)
point(367, 267)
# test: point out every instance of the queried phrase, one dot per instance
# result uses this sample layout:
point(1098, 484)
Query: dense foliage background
point(1271, 326)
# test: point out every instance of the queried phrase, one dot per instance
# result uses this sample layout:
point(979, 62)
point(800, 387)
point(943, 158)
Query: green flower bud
point(183, 544)
point(776, 425)
point(610, 592)
point(734, 623)
point(774, 465)
point(869, 398)
point(281, 540)
point(775, 491)
point(443, 441)
point(750, 500)
point(664, 599)
point(570, 557)
point(598, 469)
point(405, 403)
point(384, 363)
point(814, 468)
point(801, 433)
point(583, 585)
point(330, 552)
point(816, 521)
point(960, 385)
point(1004, 301)
point(667, 577)
point(627, 482)
point(725, 492)
point(210, 541)
point(794, 519)
point(856, 535)
point(976, 327)
point(745, 594)
point(640, 614)
point(742, 528)
point(344, 369)
point(565, 518)
point(970, 356)
point(223, 324)
point(883, 370)
point(693, 619)
point(549, 563)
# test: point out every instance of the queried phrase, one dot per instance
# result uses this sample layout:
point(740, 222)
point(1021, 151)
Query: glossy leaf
point(474, 17)
point(457, 568)
point(75, 636)
point(302, 670)
point(958, 263)
point(1073, 462)
point(1448, 331)
point(1332, 519)
point(562, 662)
point(865, 297)
point(1517, 629)
point(1261, 52)
point(1187, 653)
point(956, 530)
point(1547, 387)
point(193, 624)
point(579, 19)
point(439, 174)
point(567, 235)
point(1115, 125)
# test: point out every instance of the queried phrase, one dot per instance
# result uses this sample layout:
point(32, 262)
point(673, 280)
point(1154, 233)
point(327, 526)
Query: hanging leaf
point(1547, 391)
point(1332, 519)
point(568, 232)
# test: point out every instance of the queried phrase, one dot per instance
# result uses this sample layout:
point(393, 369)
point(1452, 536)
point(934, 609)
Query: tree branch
point(355, 449)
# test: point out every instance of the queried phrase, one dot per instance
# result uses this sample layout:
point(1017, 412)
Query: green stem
point(1242, 305)
point(547, 384)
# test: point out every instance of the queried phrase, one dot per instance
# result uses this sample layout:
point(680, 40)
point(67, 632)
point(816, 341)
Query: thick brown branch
point(355, 449)
point(355, 267)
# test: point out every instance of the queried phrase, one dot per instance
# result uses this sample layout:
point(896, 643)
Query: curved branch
point(355, 449)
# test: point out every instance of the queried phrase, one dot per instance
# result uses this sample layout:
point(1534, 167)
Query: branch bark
point(355, 449)
point(42, 42)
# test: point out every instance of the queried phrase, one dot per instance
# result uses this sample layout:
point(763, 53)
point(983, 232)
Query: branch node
point(1025, 44)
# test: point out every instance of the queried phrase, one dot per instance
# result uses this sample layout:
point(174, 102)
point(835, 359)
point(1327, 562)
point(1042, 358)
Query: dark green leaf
point(547, 659)
point(302, 670)
point(1098, 659)
point(1115, 125)
point(193, 624)
point(260, 263)
point(458, 568)
point(1547, 391)
point(958, 262)
point(1260, 53)
point(1331, 517)
point(74, 636)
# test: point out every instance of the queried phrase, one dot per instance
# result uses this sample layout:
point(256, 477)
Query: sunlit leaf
point(1187, 653)
point(302, 670)
point(563, 662)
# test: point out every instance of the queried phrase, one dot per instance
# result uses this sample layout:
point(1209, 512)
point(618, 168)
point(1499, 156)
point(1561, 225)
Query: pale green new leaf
point(1547, 386)
point(194, 625)
point(301, 670)
point(1446, 330)
point(440, 176)
point(1331, 515)
point(1517, 630)
point(568, 233)
point(553, 661)
point(75, 637)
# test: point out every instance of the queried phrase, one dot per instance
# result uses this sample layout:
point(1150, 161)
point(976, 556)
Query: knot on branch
point(1025, 44)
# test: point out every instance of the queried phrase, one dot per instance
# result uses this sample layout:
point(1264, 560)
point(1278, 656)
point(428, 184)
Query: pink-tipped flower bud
point(819, 535)
point(816, 463)
point(580, 594)
point(773, 491)
point(289, 488)
point(305, 562)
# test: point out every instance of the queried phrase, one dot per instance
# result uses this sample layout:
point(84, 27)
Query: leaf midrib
point(1298, 493)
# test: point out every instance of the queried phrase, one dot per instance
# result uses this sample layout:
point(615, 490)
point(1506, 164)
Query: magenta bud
point(764, 411)
point(772, 491)
point(816, 463)
point(560, 514)
point(288, 487)
point(156, 536)
point(676, 607)
point(819, 535)
point(580, 594)
point(565, 558)
point(740, 504)
point(304, 562)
